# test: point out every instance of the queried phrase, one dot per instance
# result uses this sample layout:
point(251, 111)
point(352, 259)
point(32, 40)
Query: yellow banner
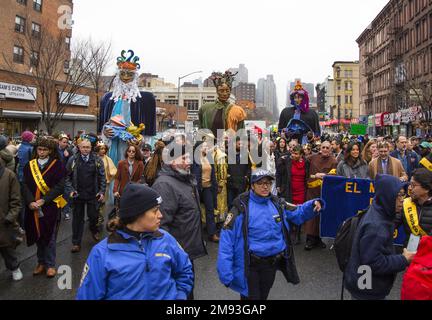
point(42, 186)
point(315, 184)
point(410, 211)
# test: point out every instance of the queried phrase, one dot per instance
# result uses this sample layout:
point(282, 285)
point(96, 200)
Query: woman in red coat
point(129, 170)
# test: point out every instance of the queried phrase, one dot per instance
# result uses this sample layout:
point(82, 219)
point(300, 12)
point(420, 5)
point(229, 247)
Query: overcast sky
point(289, 39)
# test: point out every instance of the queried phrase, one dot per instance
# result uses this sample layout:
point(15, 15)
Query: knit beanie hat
point(137, 199)
point(27, 136)
point(3, 142)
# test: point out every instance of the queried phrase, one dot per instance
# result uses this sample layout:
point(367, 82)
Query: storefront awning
point(37, 115)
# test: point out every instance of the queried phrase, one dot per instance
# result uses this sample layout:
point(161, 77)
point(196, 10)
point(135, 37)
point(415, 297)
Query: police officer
point(255, 240)
point(138, 261)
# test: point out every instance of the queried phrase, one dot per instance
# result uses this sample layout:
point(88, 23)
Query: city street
point(318, 270)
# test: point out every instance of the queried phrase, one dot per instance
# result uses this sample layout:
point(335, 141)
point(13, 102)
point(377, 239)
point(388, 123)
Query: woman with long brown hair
point(130, 169)
point(154, 165)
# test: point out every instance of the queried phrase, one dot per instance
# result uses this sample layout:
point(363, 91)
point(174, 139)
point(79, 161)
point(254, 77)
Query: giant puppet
point(222, 114)
point(298, 120)
point(126, 114)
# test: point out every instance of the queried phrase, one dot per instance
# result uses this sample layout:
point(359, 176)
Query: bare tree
point(412, 91)
point(96, 57)
point(59, 72)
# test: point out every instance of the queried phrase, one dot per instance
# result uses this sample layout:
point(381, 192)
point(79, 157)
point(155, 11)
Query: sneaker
point(67, 216)
point(17, 275)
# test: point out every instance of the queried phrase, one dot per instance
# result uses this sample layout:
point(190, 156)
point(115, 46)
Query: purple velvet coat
point(55, 179)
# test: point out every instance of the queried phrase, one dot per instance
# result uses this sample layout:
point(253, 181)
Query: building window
point(36, 30)
point(66, 66)
point(34, 59)
point(68, 43)
point(20, 24)
point(37, 5)
point(23, 2)
point(18, 55)
point(346, 99)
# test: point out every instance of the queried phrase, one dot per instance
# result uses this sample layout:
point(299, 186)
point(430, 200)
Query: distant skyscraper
point(242, 75)
point(266, 96)
point(198, 81)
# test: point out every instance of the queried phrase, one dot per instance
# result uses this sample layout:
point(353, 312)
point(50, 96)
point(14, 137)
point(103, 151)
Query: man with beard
point(181, 206)
point(126, 112)
point(321, 164)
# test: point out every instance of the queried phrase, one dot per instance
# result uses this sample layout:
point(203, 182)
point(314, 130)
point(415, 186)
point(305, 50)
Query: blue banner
point(344, 198)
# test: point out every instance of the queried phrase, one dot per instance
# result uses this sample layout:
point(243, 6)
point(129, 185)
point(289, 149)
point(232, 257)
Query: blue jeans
point(47, 254)
point(207, 195)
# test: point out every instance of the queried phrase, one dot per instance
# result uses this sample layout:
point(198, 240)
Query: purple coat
point(55, 179)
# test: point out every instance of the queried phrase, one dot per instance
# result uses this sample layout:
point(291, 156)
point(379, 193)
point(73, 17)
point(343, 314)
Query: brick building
point(396, 66)
point(245, 91)
point(28, 21)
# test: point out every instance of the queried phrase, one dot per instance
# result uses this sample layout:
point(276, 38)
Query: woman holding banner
point(353, 166)
point(44, 181)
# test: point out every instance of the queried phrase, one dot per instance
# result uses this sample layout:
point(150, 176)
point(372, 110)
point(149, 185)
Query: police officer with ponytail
point(138, 261)
point(255, 240)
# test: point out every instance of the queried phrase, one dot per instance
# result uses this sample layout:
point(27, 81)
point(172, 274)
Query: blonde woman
point(370, 151)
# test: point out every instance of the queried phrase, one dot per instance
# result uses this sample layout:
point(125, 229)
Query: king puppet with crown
point(126, 114)
point(298, 120)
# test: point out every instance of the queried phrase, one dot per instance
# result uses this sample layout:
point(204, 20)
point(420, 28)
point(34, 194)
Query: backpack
point(344, 239)
point(344, 242)
point(417, 282)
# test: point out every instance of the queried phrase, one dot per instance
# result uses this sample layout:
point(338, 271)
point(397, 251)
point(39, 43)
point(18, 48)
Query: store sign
point(396, 118)
point(411, 114)
point(388, 119)
point(74, 99)
point(16, 91)
point(379, 120)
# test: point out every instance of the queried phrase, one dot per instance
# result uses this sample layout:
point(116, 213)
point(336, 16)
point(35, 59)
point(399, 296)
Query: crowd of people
point(255, 208)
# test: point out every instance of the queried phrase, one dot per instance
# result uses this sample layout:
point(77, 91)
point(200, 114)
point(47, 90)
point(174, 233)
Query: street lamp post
point(178, 95)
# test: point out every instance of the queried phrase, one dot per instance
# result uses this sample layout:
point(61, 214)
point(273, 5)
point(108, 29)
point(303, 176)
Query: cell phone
point(413, 243)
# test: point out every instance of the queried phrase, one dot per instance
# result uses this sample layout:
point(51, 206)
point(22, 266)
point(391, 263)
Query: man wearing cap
point(146, 151)
point(181, 206)
point(255, 240)
point(138, 261)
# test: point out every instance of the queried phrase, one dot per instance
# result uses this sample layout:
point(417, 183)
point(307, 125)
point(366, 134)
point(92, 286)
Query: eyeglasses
point(131, 151)
point(413, 185)
point(401, 195)
point(264, 183)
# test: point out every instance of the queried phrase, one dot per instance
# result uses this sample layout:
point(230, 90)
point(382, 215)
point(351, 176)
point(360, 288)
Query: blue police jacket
point(265, 236)
point(122, 267)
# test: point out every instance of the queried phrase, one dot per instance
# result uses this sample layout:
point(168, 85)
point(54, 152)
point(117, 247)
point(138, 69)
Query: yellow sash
point(42, 186)
point(426, 163)
point(410, 211)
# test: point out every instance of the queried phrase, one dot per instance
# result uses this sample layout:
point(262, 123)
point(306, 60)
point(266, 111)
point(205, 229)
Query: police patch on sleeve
point(84, 274)
point(229, 221)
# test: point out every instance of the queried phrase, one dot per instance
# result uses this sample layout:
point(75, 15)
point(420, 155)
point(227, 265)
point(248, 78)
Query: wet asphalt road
point(319, 274)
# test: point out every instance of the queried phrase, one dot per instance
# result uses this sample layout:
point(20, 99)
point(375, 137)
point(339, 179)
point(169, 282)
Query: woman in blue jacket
point(255, 240)
point(138, 261)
